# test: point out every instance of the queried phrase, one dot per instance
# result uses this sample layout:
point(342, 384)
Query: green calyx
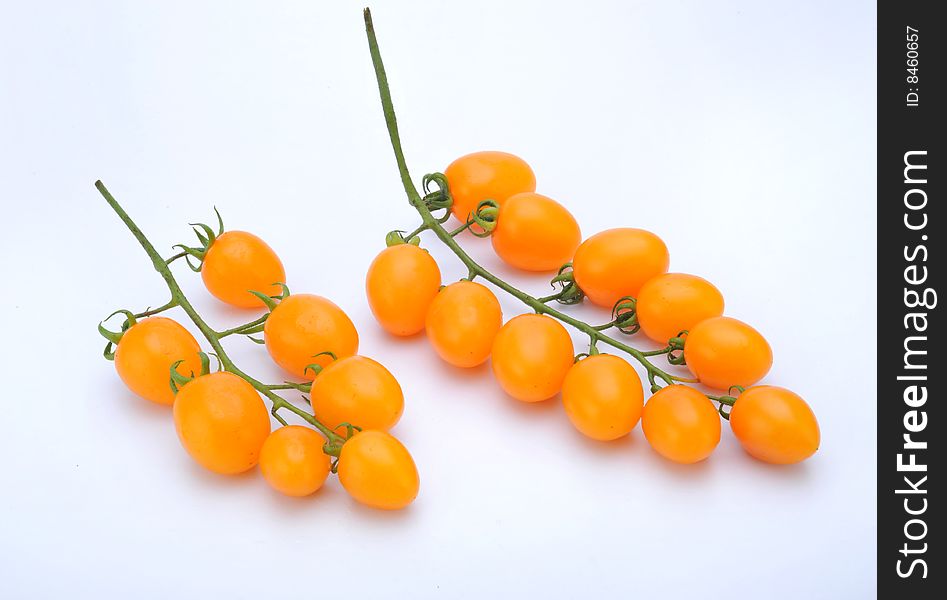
point(179, 380)
point(398, 237)
point(625, 317)
point(334, 448)
point(569, 292)
point(728, 400)
point(114, 337)
point(676, 349)
point(270, 301)
point(206, 236)
point(317, 368)
point(439, 198)
point(485, 216)
point(593, 351)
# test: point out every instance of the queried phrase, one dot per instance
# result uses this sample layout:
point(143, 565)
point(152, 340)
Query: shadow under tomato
point(209, 479)
point(466, 374)
point(794, 475)
point(379, 517)
point(329, 494)
point(433, 361)
point(692, 473)
point(413, 339)
point(546, 408)
point(625, 445)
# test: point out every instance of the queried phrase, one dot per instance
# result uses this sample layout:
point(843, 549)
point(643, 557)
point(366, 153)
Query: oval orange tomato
point(238, 262)
point(378, 471)
point(144, 356)
point(674, 302)
point(617, 262)
point(292, 461)
point(303, 325)
point(462, 323)
point(487, 175)
point(602, 396)
point(535, 233)
point(723, 352)
point(775, 425)
point(221, 422)
point(358, 391)
point(401, 284)
point(531, 356)
point(681, 424)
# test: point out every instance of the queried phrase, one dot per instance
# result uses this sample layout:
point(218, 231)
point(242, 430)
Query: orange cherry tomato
point(238, 262)
point(486, 176)
point(535, 233)
point(775, 425)
point(722, 352)
point(401, 283)
point(144, 356)
point(681, 424)
point(462, 323)
point(359, 391)
point(221, 422)
point(531, 356)
point(292, 461)
point(602, 396)
point(304, 325)
point(674, 302)
point(617, 262)
point(378, 471)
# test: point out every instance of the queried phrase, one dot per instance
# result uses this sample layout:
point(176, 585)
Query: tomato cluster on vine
point(624, 270)
point(220, 417)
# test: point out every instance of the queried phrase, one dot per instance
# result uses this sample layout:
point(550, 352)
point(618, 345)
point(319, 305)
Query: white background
point(741, 132)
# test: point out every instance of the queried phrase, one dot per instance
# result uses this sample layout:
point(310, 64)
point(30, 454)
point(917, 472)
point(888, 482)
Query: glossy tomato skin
point(462, 323)
point(617, 262)
point(535, 233)
point(723, 352)
point(238, 262)
point(144, 356)
point(303, 325)
point(602, 397)
point(378, 471)
point(531, 356)
point(487, 175)
point(221, 422)
point(359, 391)
point(401, 283)
point(681, 424)
point(775, 425)
point(292, 461)
point(675, 302)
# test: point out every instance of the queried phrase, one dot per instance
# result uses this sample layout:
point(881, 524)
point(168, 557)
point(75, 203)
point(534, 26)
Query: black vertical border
point(901, 129)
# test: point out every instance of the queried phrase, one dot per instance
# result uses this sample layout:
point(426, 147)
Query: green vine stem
point(334, 441)
point(255, 326)
point(154, 311)
point(431, 223)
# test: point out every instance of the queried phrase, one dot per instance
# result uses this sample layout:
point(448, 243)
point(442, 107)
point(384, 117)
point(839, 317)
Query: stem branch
point(251, 327)
point(154, 311)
